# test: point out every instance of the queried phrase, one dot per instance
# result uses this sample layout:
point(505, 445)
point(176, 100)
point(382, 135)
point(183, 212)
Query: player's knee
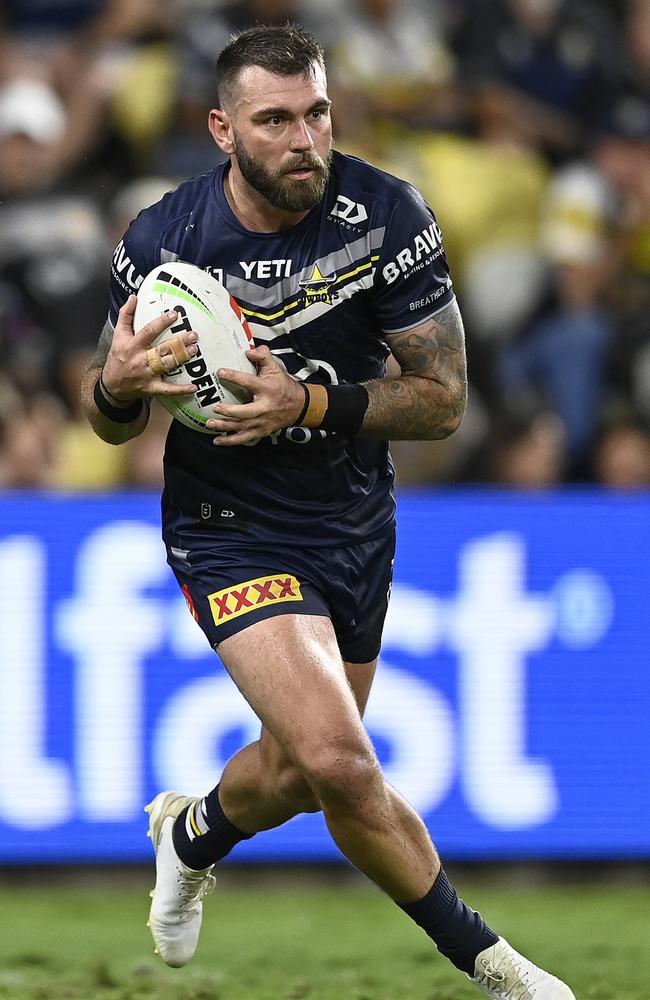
point(293, 787)
point(344, 774)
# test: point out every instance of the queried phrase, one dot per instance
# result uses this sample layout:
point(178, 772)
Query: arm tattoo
point(98, 359)
point(106, 429)
point(428, 399)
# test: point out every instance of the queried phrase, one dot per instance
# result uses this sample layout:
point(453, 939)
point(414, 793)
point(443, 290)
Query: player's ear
point(221, 130)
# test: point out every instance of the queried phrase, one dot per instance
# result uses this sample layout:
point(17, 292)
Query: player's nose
point(301, 138)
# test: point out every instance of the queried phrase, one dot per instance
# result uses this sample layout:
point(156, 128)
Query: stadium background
point(512, 703)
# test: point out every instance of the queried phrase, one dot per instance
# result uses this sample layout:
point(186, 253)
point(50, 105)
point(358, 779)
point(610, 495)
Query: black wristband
point(118, 414)
point(346, 408)
point(109, 395)
point(305, 406)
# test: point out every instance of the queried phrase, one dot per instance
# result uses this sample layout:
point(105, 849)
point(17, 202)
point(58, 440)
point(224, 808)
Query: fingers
point(273, 407)
point(154, 362)
point(146, 335)
point(244, 379)
point(126, 314)
point(180, 349)
point(261, 356)
point(229, 412)
point(227, 437)
point(265, 362)
point(170, 355)
point(160, 387)
point(239, 422)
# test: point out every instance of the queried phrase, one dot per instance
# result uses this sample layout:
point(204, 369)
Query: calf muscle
point(289, 670)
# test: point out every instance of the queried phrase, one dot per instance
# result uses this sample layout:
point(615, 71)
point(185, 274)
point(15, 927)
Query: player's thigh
point(360, 677)
point(290, 671)
point(275, 758)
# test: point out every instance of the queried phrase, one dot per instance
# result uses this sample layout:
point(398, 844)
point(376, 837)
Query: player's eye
point(275, 120)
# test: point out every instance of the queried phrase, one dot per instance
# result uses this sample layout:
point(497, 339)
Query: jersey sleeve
point(135, 255)
point(412, 281)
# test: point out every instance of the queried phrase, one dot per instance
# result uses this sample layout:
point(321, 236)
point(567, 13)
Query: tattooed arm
point(107, 430)
point(427, 400)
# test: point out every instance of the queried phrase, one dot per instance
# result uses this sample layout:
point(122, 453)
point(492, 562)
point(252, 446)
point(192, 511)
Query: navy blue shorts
point(229, 585)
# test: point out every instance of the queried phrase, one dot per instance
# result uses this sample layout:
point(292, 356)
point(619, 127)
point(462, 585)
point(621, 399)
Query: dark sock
point(459, 933)
point(203, 833)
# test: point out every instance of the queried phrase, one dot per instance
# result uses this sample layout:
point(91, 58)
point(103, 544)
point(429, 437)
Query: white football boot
point(503, 974)
point(177, 897)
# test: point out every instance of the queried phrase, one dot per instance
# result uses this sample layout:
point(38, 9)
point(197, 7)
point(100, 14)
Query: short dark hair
point(287, 50)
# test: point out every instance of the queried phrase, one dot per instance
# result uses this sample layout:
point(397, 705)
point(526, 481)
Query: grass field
point(325, 939)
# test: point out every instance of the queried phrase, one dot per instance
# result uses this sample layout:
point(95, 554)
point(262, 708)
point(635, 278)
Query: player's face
point(296, 186)
point(281, 136)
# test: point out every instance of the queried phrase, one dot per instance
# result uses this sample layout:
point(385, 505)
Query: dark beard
point(287, 194)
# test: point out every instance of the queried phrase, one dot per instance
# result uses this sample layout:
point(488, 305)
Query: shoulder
point(157, 233)
point(381, 191)
point(170, 216)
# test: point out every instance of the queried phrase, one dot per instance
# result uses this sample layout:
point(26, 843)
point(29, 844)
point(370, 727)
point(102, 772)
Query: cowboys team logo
point(317, 288)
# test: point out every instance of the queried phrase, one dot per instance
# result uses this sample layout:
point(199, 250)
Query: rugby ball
point(203, 305)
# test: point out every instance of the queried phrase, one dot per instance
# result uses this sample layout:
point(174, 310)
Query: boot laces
point(495, 978)
point(491, 973)
point(193, 887)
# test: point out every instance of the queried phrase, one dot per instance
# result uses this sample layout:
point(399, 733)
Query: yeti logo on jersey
point(317, 287)
point(278, 268)
point(244, 597)
point(423, 249)
point(348, 210)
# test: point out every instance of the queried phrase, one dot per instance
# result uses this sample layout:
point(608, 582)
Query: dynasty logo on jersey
point(244, 597)
point(350, 211)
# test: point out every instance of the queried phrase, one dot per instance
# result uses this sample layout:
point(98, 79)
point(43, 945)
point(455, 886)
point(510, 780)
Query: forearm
point(109, 430)
point(427, 400)
point(410, 408)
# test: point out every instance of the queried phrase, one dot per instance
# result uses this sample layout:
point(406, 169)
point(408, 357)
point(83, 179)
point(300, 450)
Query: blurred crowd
point(525, 124)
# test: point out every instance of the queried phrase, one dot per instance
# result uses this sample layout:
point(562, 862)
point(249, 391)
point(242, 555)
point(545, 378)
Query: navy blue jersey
point(367, 261)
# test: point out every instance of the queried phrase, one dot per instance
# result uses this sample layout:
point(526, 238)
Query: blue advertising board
point(510, 708)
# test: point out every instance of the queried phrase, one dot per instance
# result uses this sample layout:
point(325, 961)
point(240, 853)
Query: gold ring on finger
point(154, 362)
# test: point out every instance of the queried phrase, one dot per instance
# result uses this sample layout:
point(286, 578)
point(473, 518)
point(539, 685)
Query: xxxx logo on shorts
point(244, 597)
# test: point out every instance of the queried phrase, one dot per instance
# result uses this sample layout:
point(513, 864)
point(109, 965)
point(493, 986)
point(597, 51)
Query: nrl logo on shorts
point(317, 287)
